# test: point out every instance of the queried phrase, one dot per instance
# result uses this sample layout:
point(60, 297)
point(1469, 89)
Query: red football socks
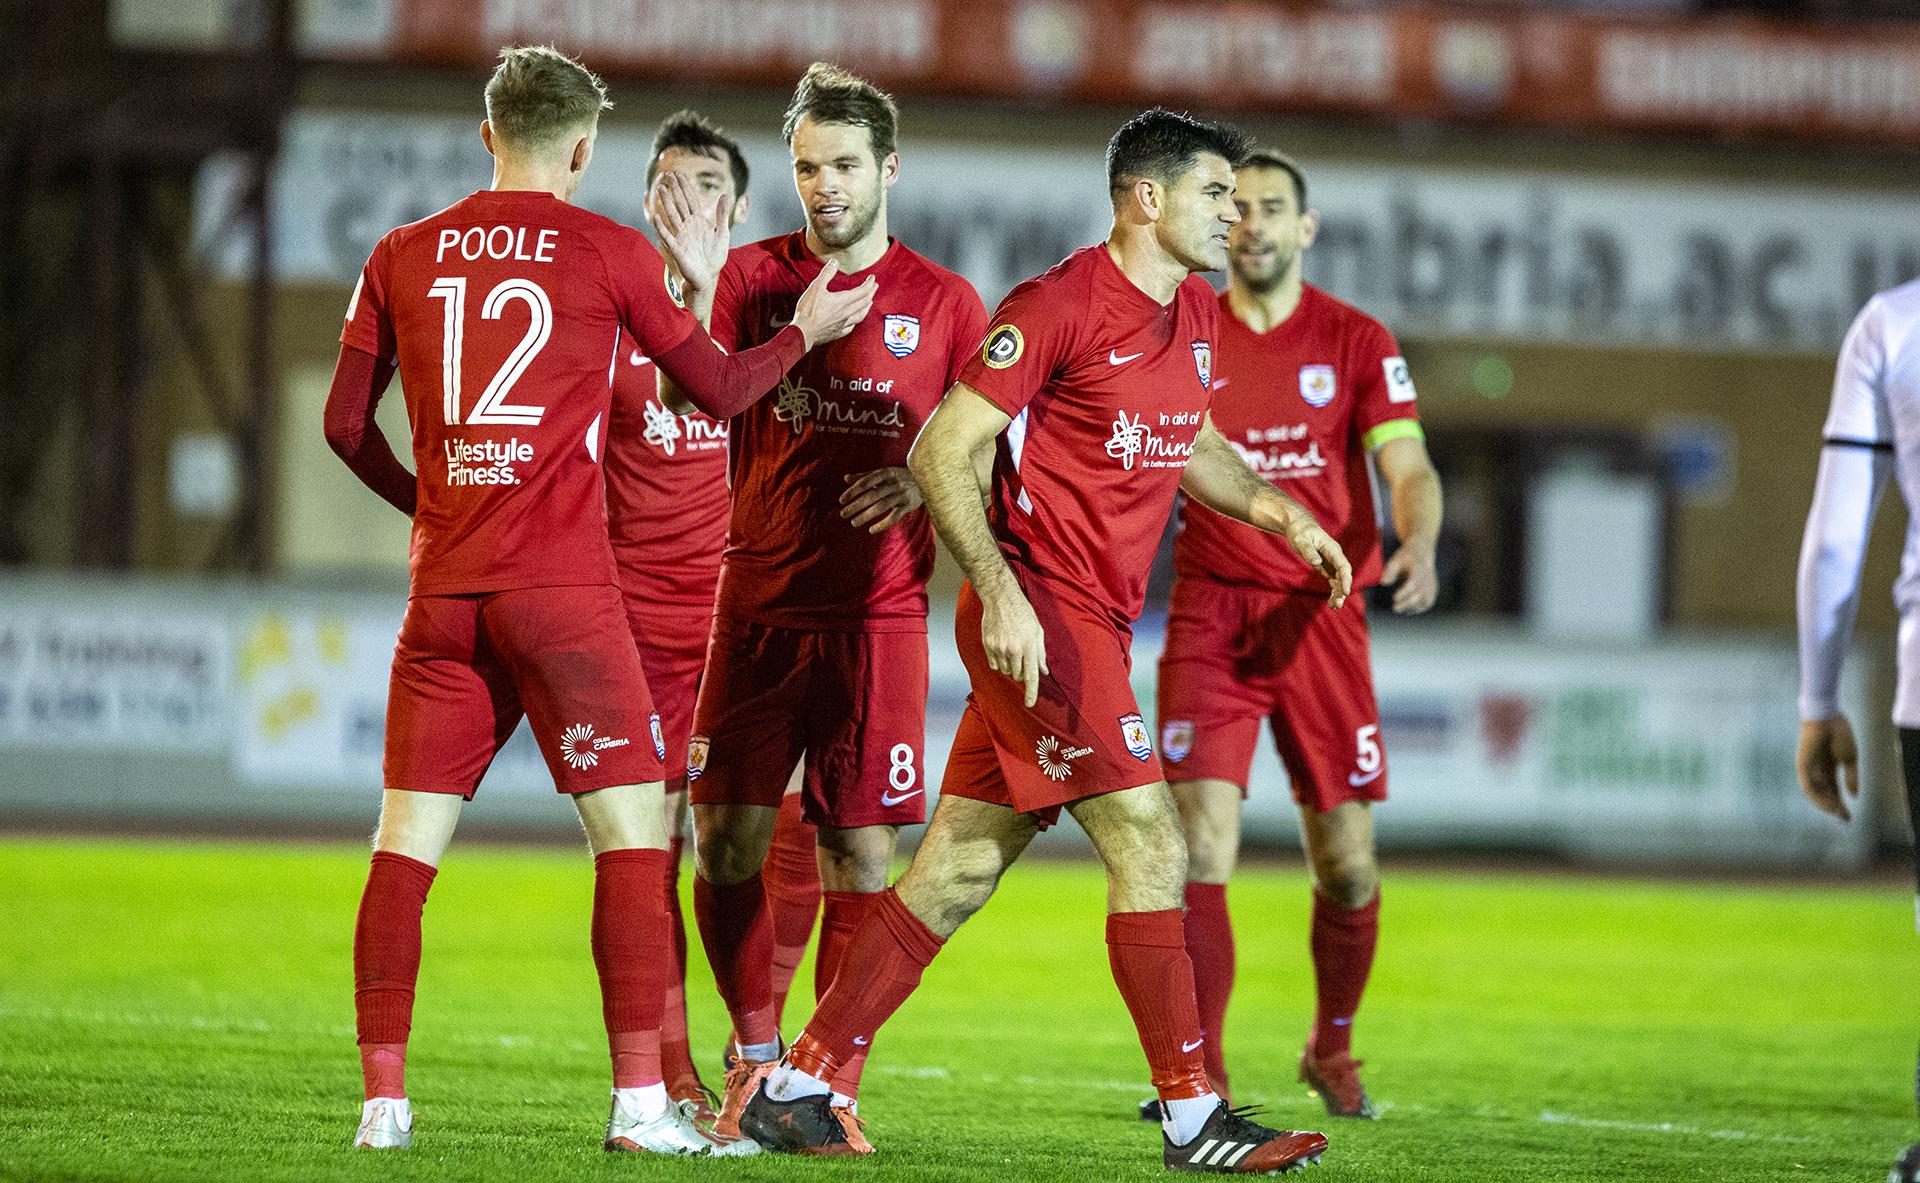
point(386, 964)
point(1210, 948)
point(1148, 952)
point(792, 877)
point(736, 927)
point(676, 1057)
point(882, 961)
point(844, 911)
point(630, 943)
point(1343, 942)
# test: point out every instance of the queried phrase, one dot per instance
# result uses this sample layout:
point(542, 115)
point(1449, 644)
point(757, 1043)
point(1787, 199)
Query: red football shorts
point(672, 640)
point(466, 667)
point(854, 703)
point(1237, 655)
point(1083, 737)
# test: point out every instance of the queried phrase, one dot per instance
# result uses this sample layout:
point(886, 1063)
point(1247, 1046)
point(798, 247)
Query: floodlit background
point(1619, 242)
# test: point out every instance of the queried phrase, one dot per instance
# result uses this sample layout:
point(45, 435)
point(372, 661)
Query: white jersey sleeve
point(1855, 464)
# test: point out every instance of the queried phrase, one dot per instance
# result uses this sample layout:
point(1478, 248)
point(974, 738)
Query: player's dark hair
point(694, 132)
point(828, 94)
point(537, 94)
point(1280, 162)
point(1160, 145)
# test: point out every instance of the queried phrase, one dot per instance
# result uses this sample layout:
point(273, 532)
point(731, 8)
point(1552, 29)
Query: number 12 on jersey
point(493, 406)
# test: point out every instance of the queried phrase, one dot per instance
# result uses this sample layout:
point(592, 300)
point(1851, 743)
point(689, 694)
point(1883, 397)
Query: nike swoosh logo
point(1356, 780)
point(887, 797)
point(1219, 383)
point(1187, 1047)
point(862, 1039)
point(1114, 358)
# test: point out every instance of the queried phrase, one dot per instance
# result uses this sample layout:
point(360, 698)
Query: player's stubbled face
point(1265, 246)
point(1199, 213)
point(710, 176)
point(840, 183)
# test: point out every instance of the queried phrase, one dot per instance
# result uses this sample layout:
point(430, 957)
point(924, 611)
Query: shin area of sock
point(881, 967)
point(386, 947)
point(1148, 953)
point(1343, 941)
point(631, 953)
point(736, 929)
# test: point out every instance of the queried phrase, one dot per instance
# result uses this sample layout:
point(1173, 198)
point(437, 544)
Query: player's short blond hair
point(538, 94)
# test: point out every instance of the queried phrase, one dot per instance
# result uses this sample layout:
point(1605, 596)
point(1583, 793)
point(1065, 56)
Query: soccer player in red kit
point(1306, 389)
point(819, 638)
point(502, 314)
point(667, 509)
point(1091, 393)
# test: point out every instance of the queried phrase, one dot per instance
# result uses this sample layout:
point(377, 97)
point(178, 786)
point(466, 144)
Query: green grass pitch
point(182, 1010)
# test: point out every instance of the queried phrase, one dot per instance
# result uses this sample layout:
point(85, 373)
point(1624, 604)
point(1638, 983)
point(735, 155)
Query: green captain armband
point(1392, 429)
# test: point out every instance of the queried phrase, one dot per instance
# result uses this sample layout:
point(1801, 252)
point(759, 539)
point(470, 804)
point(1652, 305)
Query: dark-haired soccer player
point(1091, 390)
point(1306, 389)
point(819, 638)
point(667, 511)
point(501, 314)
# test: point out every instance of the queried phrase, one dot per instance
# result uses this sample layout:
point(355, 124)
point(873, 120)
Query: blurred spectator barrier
point(247, 703)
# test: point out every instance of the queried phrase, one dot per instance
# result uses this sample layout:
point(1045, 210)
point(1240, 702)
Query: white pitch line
point(1665, 1127)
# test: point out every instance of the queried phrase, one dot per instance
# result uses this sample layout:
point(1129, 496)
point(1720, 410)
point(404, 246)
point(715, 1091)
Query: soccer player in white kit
point(1872, 432)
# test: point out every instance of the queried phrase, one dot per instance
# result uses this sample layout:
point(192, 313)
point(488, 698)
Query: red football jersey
point(666, 490)
point(1305, 404)
point(850, 406)
point(503, 312)
point(1107, 389)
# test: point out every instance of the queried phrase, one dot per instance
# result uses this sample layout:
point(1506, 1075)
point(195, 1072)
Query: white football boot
point(386, 1123)
point(672, 1132)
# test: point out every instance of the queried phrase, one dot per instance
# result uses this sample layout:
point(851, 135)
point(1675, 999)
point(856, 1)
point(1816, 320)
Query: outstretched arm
point(943, 462)
point(1217, 478)
point(359, 379)
point(1414, 489)
point(1846, 494)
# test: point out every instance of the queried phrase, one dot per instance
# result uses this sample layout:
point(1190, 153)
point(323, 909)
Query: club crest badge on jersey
point(1133, 729)
point(1176, 738)
point(659, 740)
point(1316, 385)
point(674, 291)
point(1203, 364)
point(900, 333)
point(697, 756)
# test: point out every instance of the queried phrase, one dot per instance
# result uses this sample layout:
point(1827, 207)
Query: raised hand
point(824, 316)
point(879, 499)
point(693, 229)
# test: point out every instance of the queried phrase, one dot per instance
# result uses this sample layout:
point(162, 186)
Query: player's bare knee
point(1349, 882)
point(724, 859)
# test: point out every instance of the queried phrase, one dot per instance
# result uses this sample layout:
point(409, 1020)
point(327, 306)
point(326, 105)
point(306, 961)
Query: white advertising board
point(1437, 252)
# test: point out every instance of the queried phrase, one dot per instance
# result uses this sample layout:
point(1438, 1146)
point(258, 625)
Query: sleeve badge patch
point(900, 334)
point(1316, 385)
point(1003, 347)
point(1399, 382)
point(1133, 729)
point(1176, 738)
point(697, 756)
point(659, 740)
